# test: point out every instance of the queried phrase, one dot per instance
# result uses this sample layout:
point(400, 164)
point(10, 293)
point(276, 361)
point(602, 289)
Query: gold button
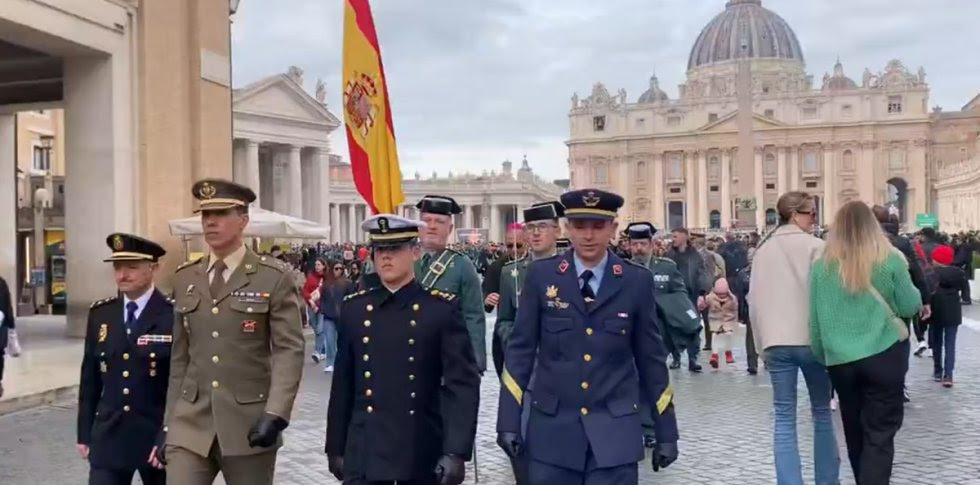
point(411, 359)
point(125, 373)
point(368, 393)
point(153, 355)
point(370, 308)
point(412, 323)
point(415, 307)
point(214, 310)
point(126, 356)
point(411, 341)
point(215, 359)
point(153, 373)
point(411, 377)
point(585, 385)
point(214, 334)
point(370, 409)
point(126, 408)
point(584, 411)
point(587, 357)
point(261, 396)
point(367, 323)
point(153, 365)
point(214, 384)
point(125, 391)
point(588, 331)
point(366, 339)
point(635, 406)
point(367, 374)
point(367, 357)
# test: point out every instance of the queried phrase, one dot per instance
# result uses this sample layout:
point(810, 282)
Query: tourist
point(334, 288)
point(722, 309)
point(860, 287)
point(691, 265)
point(311, 295)
point(779, 306)
point(947, 315)
point(6, 324)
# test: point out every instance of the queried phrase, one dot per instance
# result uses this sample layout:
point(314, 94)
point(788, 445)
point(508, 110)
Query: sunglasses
point(806, 213)
point(338, 268)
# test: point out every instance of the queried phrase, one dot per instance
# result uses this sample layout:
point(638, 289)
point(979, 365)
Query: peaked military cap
point(544, 211)
point(641, 230)
point(390, 230)
point(563, 244)
point(220, 194)
point(438, 204)
point(591, 204)
point(127, 247)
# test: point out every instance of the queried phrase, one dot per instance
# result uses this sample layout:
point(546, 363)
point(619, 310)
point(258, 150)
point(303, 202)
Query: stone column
point(335, 223)
point(726, 189)
point(794, 167)
point(238, 148)
point(294, 182)
point(760, 192)
point(829, 188)
point(251, 170)
point(465, 222)
point(351, 223)
point(703, 190)
point(690, 191)
point(781, 170)
point(8, 204)
point(321, 198)
point(659, 202)
point(494, 223)
point(866, 172)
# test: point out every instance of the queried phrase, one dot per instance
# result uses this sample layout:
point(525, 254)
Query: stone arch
point(897, 196)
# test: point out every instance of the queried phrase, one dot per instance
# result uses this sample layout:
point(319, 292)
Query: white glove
point(13, 343)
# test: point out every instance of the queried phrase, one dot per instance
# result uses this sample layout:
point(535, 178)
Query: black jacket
point(405, 388)
point(691, 265)
point(946, 309)
point(123, 386)
point(491, 278)
point(332, 295)
point(736, 257)
point(903, 244)
point(7, 307)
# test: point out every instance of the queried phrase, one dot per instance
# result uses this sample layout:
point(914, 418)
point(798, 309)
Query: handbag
point(898, 323)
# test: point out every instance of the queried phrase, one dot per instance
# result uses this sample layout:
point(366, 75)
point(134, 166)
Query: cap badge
point(117, 243)
point(590, 199)
point(207, 190)
point(383, 224)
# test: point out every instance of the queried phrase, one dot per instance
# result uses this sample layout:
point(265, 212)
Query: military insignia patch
point(590, 199)
point(103, 332)
point(207, 191)
point(617, 270)
point(248, 326)
point(563, 267)
point(117, 243)
point(551, 292)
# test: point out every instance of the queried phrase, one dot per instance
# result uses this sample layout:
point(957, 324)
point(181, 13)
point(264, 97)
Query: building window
point(894, 104)
point(598, 123)
point(811, 185)
point(601, 174)
point(675, 190)
point(714, 188)
point(810, 112)
point(896, 159)
point(641, 171)
point(675, 168)
point(42, 154)
point(673, 120)
point(714, 220)
point(810, 162)
point(846, 111)
point(712, 117)
point(765, 89)
point(848, 160)
point(770, 164)
point(714, 168)
point(770, 113)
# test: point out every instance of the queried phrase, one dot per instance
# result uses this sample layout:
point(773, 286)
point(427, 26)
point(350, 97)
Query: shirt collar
point(141, 301)
point(597, 271)
point(232, 261)
point(401, 296)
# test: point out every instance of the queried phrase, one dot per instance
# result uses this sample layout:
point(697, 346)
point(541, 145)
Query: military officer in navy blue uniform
point(585, 317)
point(125, 368)
point(406, 385)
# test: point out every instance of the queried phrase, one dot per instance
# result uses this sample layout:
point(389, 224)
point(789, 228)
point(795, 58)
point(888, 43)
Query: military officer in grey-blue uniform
point(586, 319)
point(125, 367)
point(447, 270)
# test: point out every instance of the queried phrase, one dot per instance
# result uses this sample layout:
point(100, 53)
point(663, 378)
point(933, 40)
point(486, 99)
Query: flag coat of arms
point(367, 113)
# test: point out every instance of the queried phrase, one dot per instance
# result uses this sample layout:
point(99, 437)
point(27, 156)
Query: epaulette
point(189, 263)
point(442, 294)
point(355, 295)
point(661, 259)
point(275, 263)
point(104, 301)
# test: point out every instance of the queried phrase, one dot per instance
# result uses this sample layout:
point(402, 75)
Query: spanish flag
point(367, 114)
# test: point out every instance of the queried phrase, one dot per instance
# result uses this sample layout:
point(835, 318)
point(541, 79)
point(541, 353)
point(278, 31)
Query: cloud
point(473, 82)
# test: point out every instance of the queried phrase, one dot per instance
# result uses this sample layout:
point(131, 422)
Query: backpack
point(928, 271)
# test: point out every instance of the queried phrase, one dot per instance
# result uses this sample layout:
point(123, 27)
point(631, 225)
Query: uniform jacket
point(691, 265)
point(512, 278)
point(389, 415)
point(592, 365)
point(123, 384)
point(235, 356)
point(722, 312)
point(675, 311)
point(459, 278)
point(946, 309)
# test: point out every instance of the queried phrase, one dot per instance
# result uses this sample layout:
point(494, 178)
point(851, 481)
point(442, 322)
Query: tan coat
point(235, 356)
point(722, 313)
point(779, 289)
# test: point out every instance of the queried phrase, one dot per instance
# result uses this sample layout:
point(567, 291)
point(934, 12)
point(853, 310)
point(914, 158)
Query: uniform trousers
point(184, 467)
point(423, 481)
point(540, 473)
point(872, 410)
point(149, 475)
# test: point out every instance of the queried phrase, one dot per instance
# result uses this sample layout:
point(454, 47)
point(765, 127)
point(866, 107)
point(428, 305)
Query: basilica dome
point(747, 23)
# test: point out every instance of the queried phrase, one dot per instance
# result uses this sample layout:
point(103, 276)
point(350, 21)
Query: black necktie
point(587, 292)
point(131, 315)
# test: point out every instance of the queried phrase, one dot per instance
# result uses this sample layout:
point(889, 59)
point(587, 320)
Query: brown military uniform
point(235, 356)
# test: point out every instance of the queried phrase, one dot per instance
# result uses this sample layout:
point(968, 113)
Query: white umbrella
point(262, 223)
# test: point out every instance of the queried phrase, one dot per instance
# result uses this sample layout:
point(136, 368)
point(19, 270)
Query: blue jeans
point(785, 364)
point(319, 343)
point(328, 337)
point(940, 339)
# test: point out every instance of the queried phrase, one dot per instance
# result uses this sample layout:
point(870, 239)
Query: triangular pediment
point(280, 97)
point(729, 123)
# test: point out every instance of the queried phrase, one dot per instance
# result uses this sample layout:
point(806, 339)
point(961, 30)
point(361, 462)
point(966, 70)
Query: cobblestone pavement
point(725, 422)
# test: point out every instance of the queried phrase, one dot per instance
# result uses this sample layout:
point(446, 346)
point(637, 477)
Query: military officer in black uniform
point(125, 369)
point(586, 324)
point(406, 386)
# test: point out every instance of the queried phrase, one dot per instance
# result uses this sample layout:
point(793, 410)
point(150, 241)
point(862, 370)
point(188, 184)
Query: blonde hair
point(856, 244)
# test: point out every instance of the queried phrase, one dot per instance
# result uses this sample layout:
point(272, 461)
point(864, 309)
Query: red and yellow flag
point(367, 113)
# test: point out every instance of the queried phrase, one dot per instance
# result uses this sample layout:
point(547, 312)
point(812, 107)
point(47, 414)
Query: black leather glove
point(161, 447)
point(663, 455)
point(336, 466)
point(450, 470)
point(511, 443)
point(266, 431)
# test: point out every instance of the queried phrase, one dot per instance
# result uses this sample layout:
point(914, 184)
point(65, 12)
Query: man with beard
point(516, 249)
point(691, 265)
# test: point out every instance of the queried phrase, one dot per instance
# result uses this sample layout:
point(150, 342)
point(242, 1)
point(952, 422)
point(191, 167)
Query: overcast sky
point(474, 82)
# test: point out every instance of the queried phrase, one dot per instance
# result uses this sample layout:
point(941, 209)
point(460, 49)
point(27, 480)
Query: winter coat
point(691, 265)
point(946, 309)
point(722, 312)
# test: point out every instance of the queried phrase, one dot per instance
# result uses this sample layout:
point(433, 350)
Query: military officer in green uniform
point(237, 352)
point(444, 269)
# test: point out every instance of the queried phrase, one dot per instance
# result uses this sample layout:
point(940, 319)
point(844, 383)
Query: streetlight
point(42, 200)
